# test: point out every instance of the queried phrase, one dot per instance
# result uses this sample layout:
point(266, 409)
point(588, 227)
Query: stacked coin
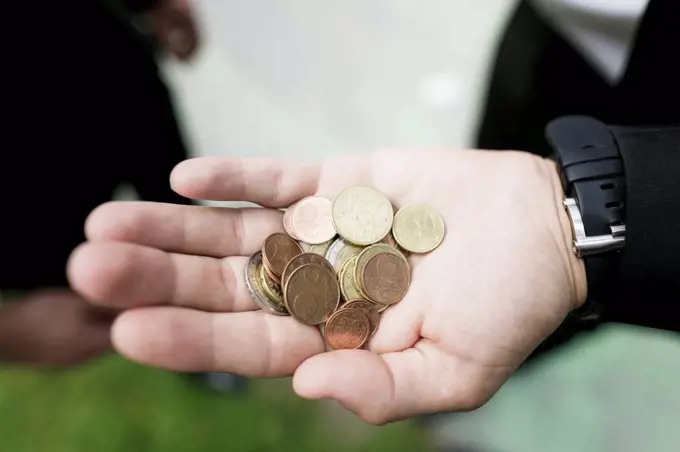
point(341, 263)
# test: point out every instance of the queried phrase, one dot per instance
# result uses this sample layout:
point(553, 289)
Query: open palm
point(500, 283)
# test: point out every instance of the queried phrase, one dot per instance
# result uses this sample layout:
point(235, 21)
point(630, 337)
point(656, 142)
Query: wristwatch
point(593, 179)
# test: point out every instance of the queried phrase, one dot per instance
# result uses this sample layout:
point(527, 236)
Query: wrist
point(574, 266)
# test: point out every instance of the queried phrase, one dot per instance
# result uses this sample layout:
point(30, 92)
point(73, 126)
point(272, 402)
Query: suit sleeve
point(138, 6)
point(648, 292)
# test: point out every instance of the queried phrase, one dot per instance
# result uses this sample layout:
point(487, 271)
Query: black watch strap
point(593, 179)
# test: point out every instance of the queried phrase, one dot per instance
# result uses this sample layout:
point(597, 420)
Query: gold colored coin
point(381, 307)
point(320, 249)
point(340, 251)
point(389, 240)
point(348, 285)
point(270, 288)
point(362, 215)
point(418, 228)
point(254, 285)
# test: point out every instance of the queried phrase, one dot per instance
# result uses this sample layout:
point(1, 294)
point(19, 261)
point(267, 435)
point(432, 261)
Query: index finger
point(267, 182)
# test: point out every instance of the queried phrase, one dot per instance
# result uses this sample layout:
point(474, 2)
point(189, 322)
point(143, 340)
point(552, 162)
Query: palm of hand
point(482, 301)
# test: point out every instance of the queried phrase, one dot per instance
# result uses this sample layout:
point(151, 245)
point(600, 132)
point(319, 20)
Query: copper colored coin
point(312, 220)
point(271, 275)
point(368, 308)
point(347, 329)
point(288, 222)
point(312, 294)
point(386, 278)
point(303, 259)
point(278, 249)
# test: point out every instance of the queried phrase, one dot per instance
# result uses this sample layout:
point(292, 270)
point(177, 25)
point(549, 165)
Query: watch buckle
point(584, 245)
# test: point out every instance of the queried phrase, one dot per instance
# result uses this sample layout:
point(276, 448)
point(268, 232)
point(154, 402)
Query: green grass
point(115, 405)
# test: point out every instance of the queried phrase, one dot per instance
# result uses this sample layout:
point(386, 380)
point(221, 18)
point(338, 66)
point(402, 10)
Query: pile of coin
point(341, 263)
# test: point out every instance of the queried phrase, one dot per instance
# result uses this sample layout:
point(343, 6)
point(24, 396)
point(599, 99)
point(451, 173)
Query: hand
point(175, 27)
point(503, 279)
point(53, 327)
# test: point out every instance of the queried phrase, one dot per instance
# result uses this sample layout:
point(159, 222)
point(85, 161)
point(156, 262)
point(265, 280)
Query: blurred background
point(310, 79)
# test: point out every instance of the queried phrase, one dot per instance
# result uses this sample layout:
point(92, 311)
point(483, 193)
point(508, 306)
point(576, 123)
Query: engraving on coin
point(269, 287)
point(312, 294)
point(255, 290)
point(277, 251)
point(362, 215)
point(340, 252)
point(312, 220)
point(366, 255)
point(347, 329)
point(300, 260)
point(386, 278)
point(348, 285)
point(368, 308)
point(418, 228)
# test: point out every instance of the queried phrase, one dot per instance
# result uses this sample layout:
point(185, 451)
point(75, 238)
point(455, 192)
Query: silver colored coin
point(254, 289)
point(340, 252)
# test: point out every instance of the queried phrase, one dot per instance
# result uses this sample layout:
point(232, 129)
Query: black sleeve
point(137, 6)
point(648, 292)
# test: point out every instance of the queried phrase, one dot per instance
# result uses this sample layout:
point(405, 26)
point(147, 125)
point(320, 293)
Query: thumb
point(394, 386)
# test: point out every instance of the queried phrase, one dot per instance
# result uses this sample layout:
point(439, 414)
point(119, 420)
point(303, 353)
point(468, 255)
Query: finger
point(268, 182)
point(253, 344)
point(400, 325)
point(207, 231)
point(124, 275)
point(395, 386)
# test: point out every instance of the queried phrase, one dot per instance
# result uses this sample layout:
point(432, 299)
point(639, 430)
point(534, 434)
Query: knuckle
point(229, 283)
point(238, 231)
point(278, 183)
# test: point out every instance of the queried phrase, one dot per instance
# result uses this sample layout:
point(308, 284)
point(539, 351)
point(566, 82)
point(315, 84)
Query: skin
point(174, 24)
point(501, 282)
point(56, 327)
point(53, 328)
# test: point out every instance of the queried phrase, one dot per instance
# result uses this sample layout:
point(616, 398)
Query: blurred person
point(598, 58)
point(606, 59)
point(87, 111)
point(527, 262)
